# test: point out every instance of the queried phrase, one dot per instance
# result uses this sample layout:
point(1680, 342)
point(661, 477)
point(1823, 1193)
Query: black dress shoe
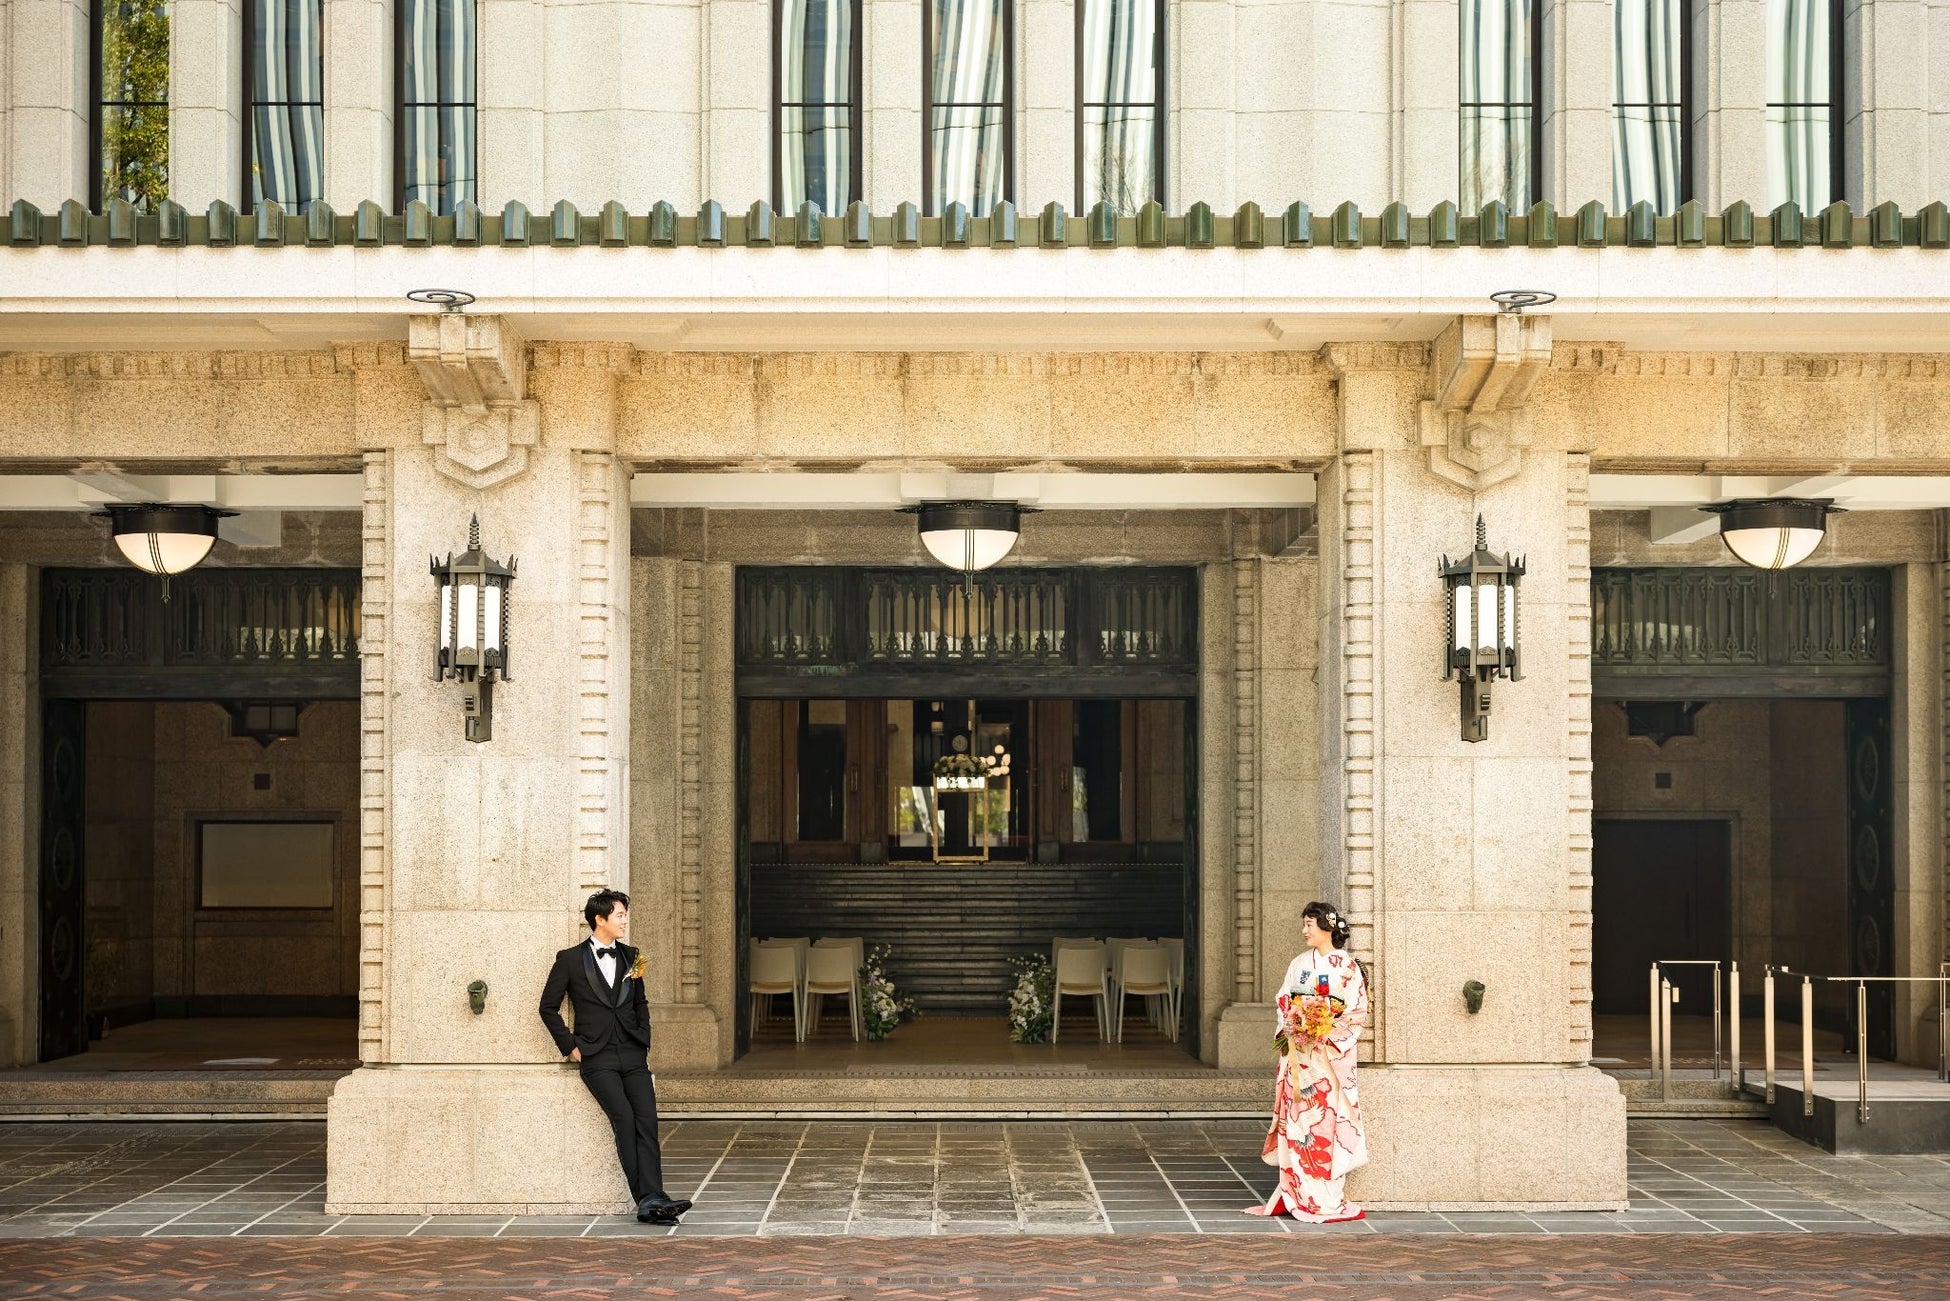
point(660, 1210)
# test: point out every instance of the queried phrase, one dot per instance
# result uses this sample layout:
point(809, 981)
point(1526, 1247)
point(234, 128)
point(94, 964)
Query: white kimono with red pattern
point(1317, 1136)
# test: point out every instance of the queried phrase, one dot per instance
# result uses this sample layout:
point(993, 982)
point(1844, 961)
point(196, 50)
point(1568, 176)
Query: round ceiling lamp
point(1773, 532)
point(969, 535)
point(164, 540)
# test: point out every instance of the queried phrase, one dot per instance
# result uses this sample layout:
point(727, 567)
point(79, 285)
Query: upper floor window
point(816, 117)
point(1651, 136)
point(284, 122)
point(438, 53)
point(968, 151)
point(1120, 103)
point(130, 125)
point(1804, 86)
point(1501, 101)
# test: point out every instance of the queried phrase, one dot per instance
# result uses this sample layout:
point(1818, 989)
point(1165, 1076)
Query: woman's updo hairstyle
point(1329, 919)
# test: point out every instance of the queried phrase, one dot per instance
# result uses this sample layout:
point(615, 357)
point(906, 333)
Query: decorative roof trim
point(119, 225)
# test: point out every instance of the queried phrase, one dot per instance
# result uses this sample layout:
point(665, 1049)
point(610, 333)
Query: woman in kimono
point(1317, 1135)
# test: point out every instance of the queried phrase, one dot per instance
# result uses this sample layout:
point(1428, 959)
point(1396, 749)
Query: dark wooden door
point(1871, 870)
point(742, 886)
point(1660, 891)
point(1189, 1009)
point(63, 812)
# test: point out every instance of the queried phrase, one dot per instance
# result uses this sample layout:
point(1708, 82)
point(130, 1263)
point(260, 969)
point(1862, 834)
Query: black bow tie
point(605, 953)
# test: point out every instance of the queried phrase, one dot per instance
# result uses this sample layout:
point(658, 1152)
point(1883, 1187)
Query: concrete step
point(965, 1093)
point(103, 1095)
point(1908, 1115)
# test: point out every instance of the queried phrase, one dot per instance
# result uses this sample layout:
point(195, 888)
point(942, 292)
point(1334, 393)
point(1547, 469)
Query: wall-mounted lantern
point(164, 540)
point(969, 535)
point(1482, 628)
point(1773, 532)
point(474, 627)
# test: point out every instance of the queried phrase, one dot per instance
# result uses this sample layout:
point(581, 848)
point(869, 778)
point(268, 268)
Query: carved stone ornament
point(1485, 367)
point(476, 372)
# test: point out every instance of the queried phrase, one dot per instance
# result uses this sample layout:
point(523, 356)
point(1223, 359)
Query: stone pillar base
point(445, 1140)
point(687, 1037)
point(1246, 1038)
point(1482, 1138)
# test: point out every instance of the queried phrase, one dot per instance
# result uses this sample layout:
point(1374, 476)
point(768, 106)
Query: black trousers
point(621, 1084)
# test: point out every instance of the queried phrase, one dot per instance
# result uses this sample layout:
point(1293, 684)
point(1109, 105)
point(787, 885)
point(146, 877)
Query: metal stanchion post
point(1733, 1051)
point(1716, 1021)
point(1943, 1022)
point(1862, 1051)
point(1807, 1046)
point(1767, 1027)
point(1665, 1039)
point(1652, 1007)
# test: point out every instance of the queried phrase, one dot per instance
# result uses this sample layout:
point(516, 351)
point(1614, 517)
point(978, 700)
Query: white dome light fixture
point(969, 535)
point(164, 540)
point(1773, 532)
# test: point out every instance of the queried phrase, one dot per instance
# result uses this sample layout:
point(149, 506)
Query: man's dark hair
point(601, 904)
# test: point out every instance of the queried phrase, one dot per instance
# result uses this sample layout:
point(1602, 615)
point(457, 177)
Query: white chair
point(1115, 947)
point(834, 968)
point(1146, 972)
point(1080, 970)
point(1175, 950)
point(775, 971)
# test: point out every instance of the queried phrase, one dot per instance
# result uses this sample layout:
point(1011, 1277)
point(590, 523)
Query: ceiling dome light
point(164, 540)
point(969, 535)
point(1773, 532)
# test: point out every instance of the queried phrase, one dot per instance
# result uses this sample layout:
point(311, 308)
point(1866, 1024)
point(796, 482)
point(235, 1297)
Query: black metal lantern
point(1481, 645)
point(474, 627)
point(164, 540)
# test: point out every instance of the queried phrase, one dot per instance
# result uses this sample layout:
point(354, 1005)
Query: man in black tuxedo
point(610, 1044)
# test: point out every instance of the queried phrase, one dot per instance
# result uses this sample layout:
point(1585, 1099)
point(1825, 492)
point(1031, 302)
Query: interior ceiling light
point(969, 535)
point(1773, 532)
point(164, 540)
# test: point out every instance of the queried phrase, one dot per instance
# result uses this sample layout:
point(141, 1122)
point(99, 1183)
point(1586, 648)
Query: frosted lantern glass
point(1486, 618)
point(470, 601)
point(952, 547)
point(446, 618)
point(492, 634)
point(1462, 619)
point(172, 552)
point(1772, 548)
point(1509, 618)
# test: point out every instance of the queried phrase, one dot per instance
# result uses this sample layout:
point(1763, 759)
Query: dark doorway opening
point(1661, 891)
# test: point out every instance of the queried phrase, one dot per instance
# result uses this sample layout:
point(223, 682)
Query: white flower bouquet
point(1032, 1002)
point(881, 1006)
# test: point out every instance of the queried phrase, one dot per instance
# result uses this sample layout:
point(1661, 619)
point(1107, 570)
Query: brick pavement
point(1837, 1268)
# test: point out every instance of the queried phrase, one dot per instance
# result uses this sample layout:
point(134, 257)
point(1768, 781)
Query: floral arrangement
point(958, 771)
point(1309, 1019)
point(636, 968)
point(881, 1006)
point(1032, 1002)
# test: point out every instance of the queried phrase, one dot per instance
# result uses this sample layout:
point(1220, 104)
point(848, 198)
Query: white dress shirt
point(605, 963)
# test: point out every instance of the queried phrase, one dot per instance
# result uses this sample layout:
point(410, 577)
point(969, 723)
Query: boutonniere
point(636, 969)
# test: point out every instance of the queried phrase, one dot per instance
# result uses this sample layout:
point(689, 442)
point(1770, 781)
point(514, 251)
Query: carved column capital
point(1484, 368)
point(475, 369)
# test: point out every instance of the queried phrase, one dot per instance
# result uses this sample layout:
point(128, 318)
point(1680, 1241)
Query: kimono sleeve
point(1352, 988)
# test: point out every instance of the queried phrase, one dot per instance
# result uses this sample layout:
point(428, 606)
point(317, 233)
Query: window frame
point(855, 114)
point(1161, 48)
point(97, 196)
point(1535, 105)
point(400, 106)
point(1837, 135)
point(928, 106)
point(1685, 105)
point(247, 202)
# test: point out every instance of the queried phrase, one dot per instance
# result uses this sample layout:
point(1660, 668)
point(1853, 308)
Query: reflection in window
point(1499, 103)
point(819, 108)
point(1120, 118)
point(438, 52)
point(132, 102)
point(1651, 144)
point(1097, 770)
point(969, 139)
point(286, 113)
point(1803, 119)
point(822, 771)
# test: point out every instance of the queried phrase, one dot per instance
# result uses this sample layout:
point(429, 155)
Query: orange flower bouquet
point(1309, 1019)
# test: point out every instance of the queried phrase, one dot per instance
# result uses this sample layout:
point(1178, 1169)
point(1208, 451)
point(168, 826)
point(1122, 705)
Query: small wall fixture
point(477, 996)
point(1773, 532)
point(1482, 628)
point(1473, 991)
point(164, 540)
point(474, 627)
point(969, 535)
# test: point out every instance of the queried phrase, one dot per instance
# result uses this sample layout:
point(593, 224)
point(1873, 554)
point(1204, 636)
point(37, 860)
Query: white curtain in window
point(970, 103)
point(1648, 133)
point(1496, 103)
point(287, 102)
point(438, 102)
point(1120, 103)
point(816, 103)
point(1799, 103)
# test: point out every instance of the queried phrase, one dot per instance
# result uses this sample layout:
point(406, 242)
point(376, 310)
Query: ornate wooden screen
point(224, 633)
point(1018, 632)
point(1692, 633)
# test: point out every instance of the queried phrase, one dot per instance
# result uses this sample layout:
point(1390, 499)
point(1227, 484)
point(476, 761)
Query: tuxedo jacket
point(605, 1014)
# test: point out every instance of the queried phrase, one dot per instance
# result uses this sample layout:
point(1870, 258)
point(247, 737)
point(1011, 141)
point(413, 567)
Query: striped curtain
point(1120, 103)
point(1648, 130)
point(970, 104)
point(437, 102)
point(1800, 102)
point(287, 102)
point(1496, 103)
point(816, 104)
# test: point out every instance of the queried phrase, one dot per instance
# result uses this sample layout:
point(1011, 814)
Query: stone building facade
point(664, 379)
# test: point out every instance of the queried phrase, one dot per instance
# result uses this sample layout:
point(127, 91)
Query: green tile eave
point(1298, 226)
